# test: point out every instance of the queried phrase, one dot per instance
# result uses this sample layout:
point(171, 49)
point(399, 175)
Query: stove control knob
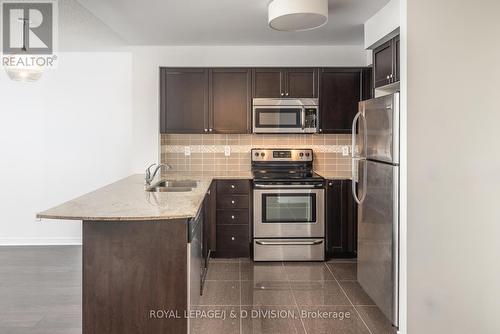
point(256, 154)
point(301, 154)
point(307, 154)
point(262, 154)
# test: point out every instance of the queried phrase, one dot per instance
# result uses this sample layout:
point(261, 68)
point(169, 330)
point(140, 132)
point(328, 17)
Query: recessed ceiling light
point(297, 15)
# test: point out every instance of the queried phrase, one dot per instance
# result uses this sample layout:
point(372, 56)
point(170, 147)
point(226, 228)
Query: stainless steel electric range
point(288, 219)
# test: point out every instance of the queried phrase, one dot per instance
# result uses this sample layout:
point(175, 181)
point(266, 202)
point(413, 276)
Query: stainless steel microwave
point(285, 115)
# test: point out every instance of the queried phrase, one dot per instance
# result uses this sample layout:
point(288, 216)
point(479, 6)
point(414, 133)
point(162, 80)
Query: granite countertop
point(126, 200)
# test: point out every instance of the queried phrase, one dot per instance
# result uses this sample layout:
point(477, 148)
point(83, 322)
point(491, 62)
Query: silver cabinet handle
point(206, 130)
point(286, 94)
point(232, 238)
point(388, 77)
point(232, 217)
point(232, 186)
point(282, 94)
point(210, 130)
point(289, 243)
point(232, 202)
point(320, 130)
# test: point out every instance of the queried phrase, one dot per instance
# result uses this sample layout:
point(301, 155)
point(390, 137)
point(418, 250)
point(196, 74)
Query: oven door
point(280, 213)
point(278, 119)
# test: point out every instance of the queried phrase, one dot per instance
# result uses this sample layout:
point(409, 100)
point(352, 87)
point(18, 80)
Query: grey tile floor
point(40, 293)
point(287, 297)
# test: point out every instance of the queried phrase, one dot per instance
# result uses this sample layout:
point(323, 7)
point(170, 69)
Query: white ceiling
point(225, 22)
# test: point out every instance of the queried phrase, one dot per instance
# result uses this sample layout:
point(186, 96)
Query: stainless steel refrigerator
point(375, 134)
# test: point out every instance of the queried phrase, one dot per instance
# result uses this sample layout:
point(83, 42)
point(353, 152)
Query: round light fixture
point(297, 15)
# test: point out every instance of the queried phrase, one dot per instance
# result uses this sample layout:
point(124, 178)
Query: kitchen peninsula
point(136, 254)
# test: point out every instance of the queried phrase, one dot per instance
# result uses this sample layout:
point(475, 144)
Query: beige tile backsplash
point(207, 152)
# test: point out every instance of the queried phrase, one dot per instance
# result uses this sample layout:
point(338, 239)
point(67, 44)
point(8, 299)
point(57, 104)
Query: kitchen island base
point(134, 273)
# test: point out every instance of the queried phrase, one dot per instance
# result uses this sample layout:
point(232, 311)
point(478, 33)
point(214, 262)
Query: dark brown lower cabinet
point(341, 220)
point(233, 218)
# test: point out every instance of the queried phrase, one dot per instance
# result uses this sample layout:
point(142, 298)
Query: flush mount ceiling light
point(297, 15)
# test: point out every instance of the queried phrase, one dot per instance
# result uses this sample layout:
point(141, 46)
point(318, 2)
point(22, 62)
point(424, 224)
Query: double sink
point(172, 186)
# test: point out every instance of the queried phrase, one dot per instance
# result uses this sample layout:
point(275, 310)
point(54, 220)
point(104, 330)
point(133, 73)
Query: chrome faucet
point(148, 177)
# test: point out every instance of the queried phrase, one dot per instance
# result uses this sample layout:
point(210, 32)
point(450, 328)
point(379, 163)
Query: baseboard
point(39, 241)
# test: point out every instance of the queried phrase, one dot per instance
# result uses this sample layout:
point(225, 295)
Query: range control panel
point(282, 155)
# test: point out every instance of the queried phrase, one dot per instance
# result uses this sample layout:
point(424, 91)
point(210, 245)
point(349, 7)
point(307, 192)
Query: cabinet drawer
point(225, 187)
point(232, 217)
point(232, 202)
point(233, 241)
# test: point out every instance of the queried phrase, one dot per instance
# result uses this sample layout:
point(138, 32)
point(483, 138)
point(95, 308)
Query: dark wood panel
point(340, 93)
point(212, 217)
point(130, 268)
point(230, 100)
point(383, 64)
point(232, 202)
point(367, 91)
point(267, 82)
point(185, 100)
point(301, 82)
point(341, 220)
point(397, 62)
point(232, 217)
point(233, 241)
point(233, 187)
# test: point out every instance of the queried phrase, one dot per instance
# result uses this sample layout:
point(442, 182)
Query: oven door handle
point(289, 243)
point(290, 186)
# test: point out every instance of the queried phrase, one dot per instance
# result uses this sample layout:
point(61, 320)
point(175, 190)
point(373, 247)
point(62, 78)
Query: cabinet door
point(301, 82)
point(183, 100)
point(341, 219)
point(230, 100)
point(367, 83)
point(383, 64)
point(340, 93)
point(396, 58)
point(268, 82)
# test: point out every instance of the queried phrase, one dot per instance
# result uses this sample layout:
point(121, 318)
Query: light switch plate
point(345, 151)
point(187, 150)
point(227, 150)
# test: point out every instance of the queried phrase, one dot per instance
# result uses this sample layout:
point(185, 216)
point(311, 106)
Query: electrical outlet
point(187, 151)
point(227, 150)
point(345, 151)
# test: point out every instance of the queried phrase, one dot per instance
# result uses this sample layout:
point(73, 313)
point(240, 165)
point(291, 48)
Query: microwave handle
point(303, 119)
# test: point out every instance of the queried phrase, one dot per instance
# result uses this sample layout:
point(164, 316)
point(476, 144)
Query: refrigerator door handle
point(354, 126)
point(354, 188)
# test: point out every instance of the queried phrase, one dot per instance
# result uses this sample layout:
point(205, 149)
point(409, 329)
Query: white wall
point(147, 60)
point(453, 166)
point(61, 137)
point(383, 25)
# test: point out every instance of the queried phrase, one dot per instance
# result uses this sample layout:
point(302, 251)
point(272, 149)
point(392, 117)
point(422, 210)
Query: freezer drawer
point(378, 235)
point(289, 249)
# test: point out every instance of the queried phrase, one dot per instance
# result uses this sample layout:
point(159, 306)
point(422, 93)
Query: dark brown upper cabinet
point(301, 82)
point(285, 82)
point(386, 63)
point(201, 100)
point(340, 93)
point(230, 100)
point(183, 100)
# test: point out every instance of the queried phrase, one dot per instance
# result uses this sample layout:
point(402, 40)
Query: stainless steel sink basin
point(173, 186)
point(177, 184)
